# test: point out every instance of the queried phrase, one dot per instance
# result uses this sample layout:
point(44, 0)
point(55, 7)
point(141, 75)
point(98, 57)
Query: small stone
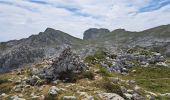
point(33, 96)
point(18, 82)
point(136, 96)
point(166, 94)
point(137, 88)
point(131, 82)
point(110, 96)
point(3, 95)
point(69, 98)
point(115, 80)
point(133, 71)
point(55, 82)
point(20, 95)
point(130, 91)
point(127, 95)
point(53, 90)
point(27, 86)
point(15, 97)
point(42, 97)
point(123, 89)
point(149, 97)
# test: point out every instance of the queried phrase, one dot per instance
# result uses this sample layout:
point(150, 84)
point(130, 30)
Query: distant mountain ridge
point(51, 42)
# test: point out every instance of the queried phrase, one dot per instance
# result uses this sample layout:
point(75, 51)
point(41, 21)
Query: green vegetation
point(73, 77)
point(100, 55)
point(105, 72)
point(109, 86)
point(162, 50)
point(3, 46)
point(3, 81)
point(89, 75)
point(89, 59)
point(168, 54)
point(152, 78)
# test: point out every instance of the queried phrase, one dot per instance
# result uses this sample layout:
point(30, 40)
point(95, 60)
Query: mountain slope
point(36, 47)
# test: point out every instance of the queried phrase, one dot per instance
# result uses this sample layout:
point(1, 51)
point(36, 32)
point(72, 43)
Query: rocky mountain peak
point(51, 30)
point(94, 33)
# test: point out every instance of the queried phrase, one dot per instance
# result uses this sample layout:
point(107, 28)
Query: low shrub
point(105, 72)
point(3, 81)
point(89, 59)
point(110, 87)
point(89, 75)
point(99, 55)
point(69, 76)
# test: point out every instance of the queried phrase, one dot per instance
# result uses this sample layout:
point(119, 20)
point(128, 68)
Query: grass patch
point(105, 72)
point(89, 75)
point(109, 86)
point(99, 55)
point(152, 78)
point(6, 87)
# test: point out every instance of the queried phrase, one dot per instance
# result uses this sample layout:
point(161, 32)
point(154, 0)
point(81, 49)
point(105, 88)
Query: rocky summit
point(94, 33)
point(104, 65)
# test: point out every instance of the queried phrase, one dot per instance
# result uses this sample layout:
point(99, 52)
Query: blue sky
point(22, 18)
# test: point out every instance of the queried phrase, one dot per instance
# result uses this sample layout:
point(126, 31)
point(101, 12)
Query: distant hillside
point(122, 38)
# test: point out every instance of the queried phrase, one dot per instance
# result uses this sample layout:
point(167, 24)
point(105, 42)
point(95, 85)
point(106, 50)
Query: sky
point(22, 18)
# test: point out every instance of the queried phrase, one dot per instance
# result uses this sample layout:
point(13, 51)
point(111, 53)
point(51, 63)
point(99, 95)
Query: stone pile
point(67, 62)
